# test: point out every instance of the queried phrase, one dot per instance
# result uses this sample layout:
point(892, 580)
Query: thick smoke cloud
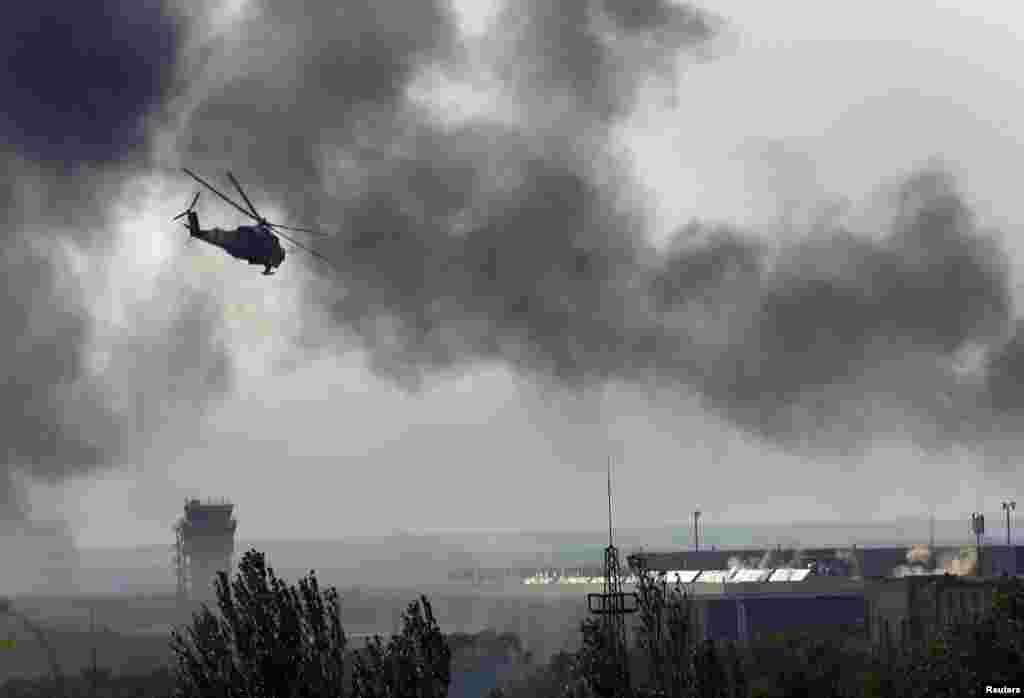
point(841, 306)
point(510, 238)
point(296, 77)
point(441, 226)
point(509, 287)
point(42, 360)
point(597, 53)
point(84, 86)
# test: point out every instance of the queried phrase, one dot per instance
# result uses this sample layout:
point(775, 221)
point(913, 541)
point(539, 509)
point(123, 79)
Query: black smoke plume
point(511, 237)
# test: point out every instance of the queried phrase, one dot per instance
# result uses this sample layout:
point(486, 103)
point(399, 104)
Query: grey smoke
point(596, 53)
point(922, 561)
point(515, 243)
point(84, 87)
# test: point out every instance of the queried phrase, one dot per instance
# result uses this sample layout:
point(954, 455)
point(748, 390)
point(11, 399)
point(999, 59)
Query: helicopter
point(256, 244)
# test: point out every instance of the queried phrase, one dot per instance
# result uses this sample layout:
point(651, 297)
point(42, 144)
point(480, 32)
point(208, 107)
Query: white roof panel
point(714, 576)
point(750, 576)
point(789, 575)
point(681, 576)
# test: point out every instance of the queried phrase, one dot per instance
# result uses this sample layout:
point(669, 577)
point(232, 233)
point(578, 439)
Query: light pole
point(1008, 507)
point(978, 527)
point(696, 530)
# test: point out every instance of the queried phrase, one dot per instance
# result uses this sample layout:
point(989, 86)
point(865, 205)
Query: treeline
point(268, 638)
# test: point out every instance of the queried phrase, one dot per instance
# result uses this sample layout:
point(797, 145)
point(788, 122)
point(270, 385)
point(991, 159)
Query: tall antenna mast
point(610, 501)
point(612, 605)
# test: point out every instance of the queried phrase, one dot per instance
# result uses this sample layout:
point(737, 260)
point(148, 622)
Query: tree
point(969, 651)
point(413, 664)
point(666, 636)
point(274, 640)
point(271, 639)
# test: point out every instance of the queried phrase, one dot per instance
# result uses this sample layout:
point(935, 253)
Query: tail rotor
point(193, 219)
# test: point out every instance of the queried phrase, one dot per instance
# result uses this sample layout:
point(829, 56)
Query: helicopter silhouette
point(256, 244)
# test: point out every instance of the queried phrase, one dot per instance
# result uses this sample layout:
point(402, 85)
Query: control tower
point(205, 544)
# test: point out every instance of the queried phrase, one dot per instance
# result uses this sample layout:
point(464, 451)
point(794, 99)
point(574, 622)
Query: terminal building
point(895, 593)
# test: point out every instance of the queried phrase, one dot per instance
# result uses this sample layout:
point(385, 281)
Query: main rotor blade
point(244, 197)
point(183, 213)
point(209, 186)
point(312, 252)
point(298, 230)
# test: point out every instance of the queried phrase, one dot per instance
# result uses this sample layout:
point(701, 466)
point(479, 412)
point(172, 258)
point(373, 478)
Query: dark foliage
point(413, 664)
point(271, 639)
point(670, 662)
point(274, 639)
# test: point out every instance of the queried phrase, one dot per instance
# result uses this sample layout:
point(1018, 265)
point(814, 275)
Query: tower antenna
point(612, 605)
point(610, 544)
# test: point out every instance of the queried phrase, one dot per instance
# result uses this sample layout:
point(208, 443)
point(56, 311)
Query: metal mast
point(931, 533)
point(610, 544)
point(978, 528)
point(1008, 507)
point(696, 530)
point(614, 604)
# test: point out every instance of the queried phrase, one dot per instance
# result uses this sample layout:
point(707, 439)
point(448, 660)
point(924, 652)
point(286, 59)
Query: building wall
point(997, 560)
point(785, 613)
point(746, 617)
point(913, 607)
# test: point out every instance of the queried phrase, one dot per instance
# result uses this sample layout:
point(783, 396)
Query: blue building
point(743, 618)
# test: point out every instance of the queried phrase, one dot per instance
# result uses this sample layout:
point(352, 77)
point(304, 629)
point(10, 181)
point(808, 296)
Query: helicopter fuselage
point(253, 243)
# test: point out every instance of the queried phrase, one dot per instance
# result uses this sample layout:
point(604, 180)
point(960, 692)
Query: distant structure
point(1008, 507)
point(978, 528)
point(931, 531)
point(204, 545)
point(612, 605)
point(902, 612)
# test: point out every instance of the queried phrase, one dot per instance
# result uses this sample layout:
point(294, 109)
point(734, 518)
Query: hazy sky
point(804, 101)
